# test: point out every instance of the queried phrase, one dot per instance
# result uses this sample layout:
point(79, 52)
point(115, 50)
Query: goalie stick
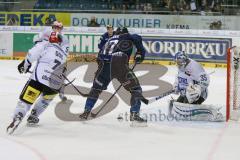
point(151, 100)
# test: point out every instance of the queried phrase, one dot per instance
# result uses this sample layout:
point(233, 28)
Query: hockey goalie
point(192, 84)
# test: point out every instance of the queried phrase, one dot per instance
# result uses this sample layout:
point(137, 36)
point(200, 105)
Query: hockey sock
point(41, 105)
point(90, 102)
point(136, 106)
point(21, 107)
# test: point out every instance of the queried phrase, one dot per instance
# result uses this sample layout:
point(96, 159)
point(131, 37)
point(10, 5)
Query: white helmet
point(57, 24)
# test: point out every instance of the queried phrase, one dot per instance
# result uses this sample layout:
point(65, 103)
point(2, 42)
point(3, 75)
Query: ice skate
point(84, 115)
point(15, 123)
point(137, 121)
point(33, 119)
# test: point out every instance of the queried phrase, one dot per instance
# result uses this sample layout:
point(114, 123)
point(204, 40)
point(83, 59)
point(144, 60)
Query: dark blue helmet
point(121, 30)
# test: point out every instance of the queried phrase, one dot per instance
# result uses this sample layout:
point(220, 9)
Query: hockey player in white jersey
point(41, 40)
point(44, 83)
point(192, 84)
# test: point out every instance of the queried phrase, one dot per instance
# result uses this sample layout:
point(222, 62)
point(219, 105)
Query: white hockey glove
point(193, 92)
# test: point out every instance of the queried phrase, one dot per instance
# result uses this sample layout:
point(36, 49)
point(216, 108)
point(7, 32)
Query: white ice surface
point(108, 139)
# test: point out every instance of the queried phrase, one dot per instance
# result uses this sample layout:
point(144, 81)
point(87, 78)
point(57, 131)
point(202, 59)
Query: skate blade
point(138, 124)
point(32, 125)
point(10, 131)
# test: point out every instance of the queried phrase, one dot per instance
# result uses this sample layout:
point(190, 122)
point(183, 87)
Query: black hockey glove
point(138, 58)
point(21, 67)
point(24, 67)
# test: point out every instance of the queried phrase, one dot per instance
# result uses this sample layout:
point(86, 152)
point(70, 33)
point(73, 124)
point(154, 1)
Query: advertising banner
point(22, 42)
point(83, 43)
point(200, 48)
point(6, 45)
point(118, 20)
point(159, 21)
point(199, 22)
point(32, 18)
point(79, 43)
point(157, 47)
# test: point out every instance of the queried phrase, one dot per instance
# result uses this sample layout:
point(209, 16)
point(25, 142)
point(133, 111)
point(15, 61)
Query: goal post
point(233, 84)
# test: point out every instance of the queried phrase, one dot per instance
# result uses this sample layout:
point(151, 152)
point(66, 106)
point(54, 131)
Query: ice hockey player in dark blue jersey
point(113, 62)
point(104, 38)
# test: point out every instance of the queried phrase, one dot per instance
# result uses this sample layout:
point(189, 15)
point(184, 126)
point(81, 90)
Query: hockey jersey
point(124, 43)
point(50, 65)
point(192, 73)
point(103, 40)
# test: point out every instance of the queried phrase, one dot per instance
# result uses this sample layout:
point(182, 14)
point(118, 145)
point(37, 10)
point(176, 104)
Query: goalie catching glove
point(193, 92)
point(24, 66)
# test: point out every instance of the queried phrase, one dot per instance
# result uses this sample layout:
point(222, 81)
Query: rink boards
point(206, 46)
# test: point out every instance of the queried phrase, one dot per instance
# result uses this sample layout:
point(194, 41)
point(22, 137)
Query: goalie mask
point(181, 59)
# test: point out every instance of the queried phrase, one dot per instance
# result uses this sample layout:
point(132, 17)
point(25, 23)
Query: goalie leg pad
point(196, 112)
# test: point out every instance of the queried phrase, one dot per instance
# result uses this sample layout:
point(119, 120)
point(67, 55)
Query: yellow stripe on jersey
point(49, 97)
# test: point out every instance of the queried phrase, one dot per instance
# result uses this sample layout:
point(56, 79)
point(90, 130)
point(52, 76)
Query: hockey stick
point(95, 114)
point(211, 73)
point(70, 82)
point(160, 96)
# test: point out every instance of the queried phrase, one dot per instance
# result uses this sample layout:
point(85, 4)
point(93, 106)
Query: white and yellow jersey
point(50, 65)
